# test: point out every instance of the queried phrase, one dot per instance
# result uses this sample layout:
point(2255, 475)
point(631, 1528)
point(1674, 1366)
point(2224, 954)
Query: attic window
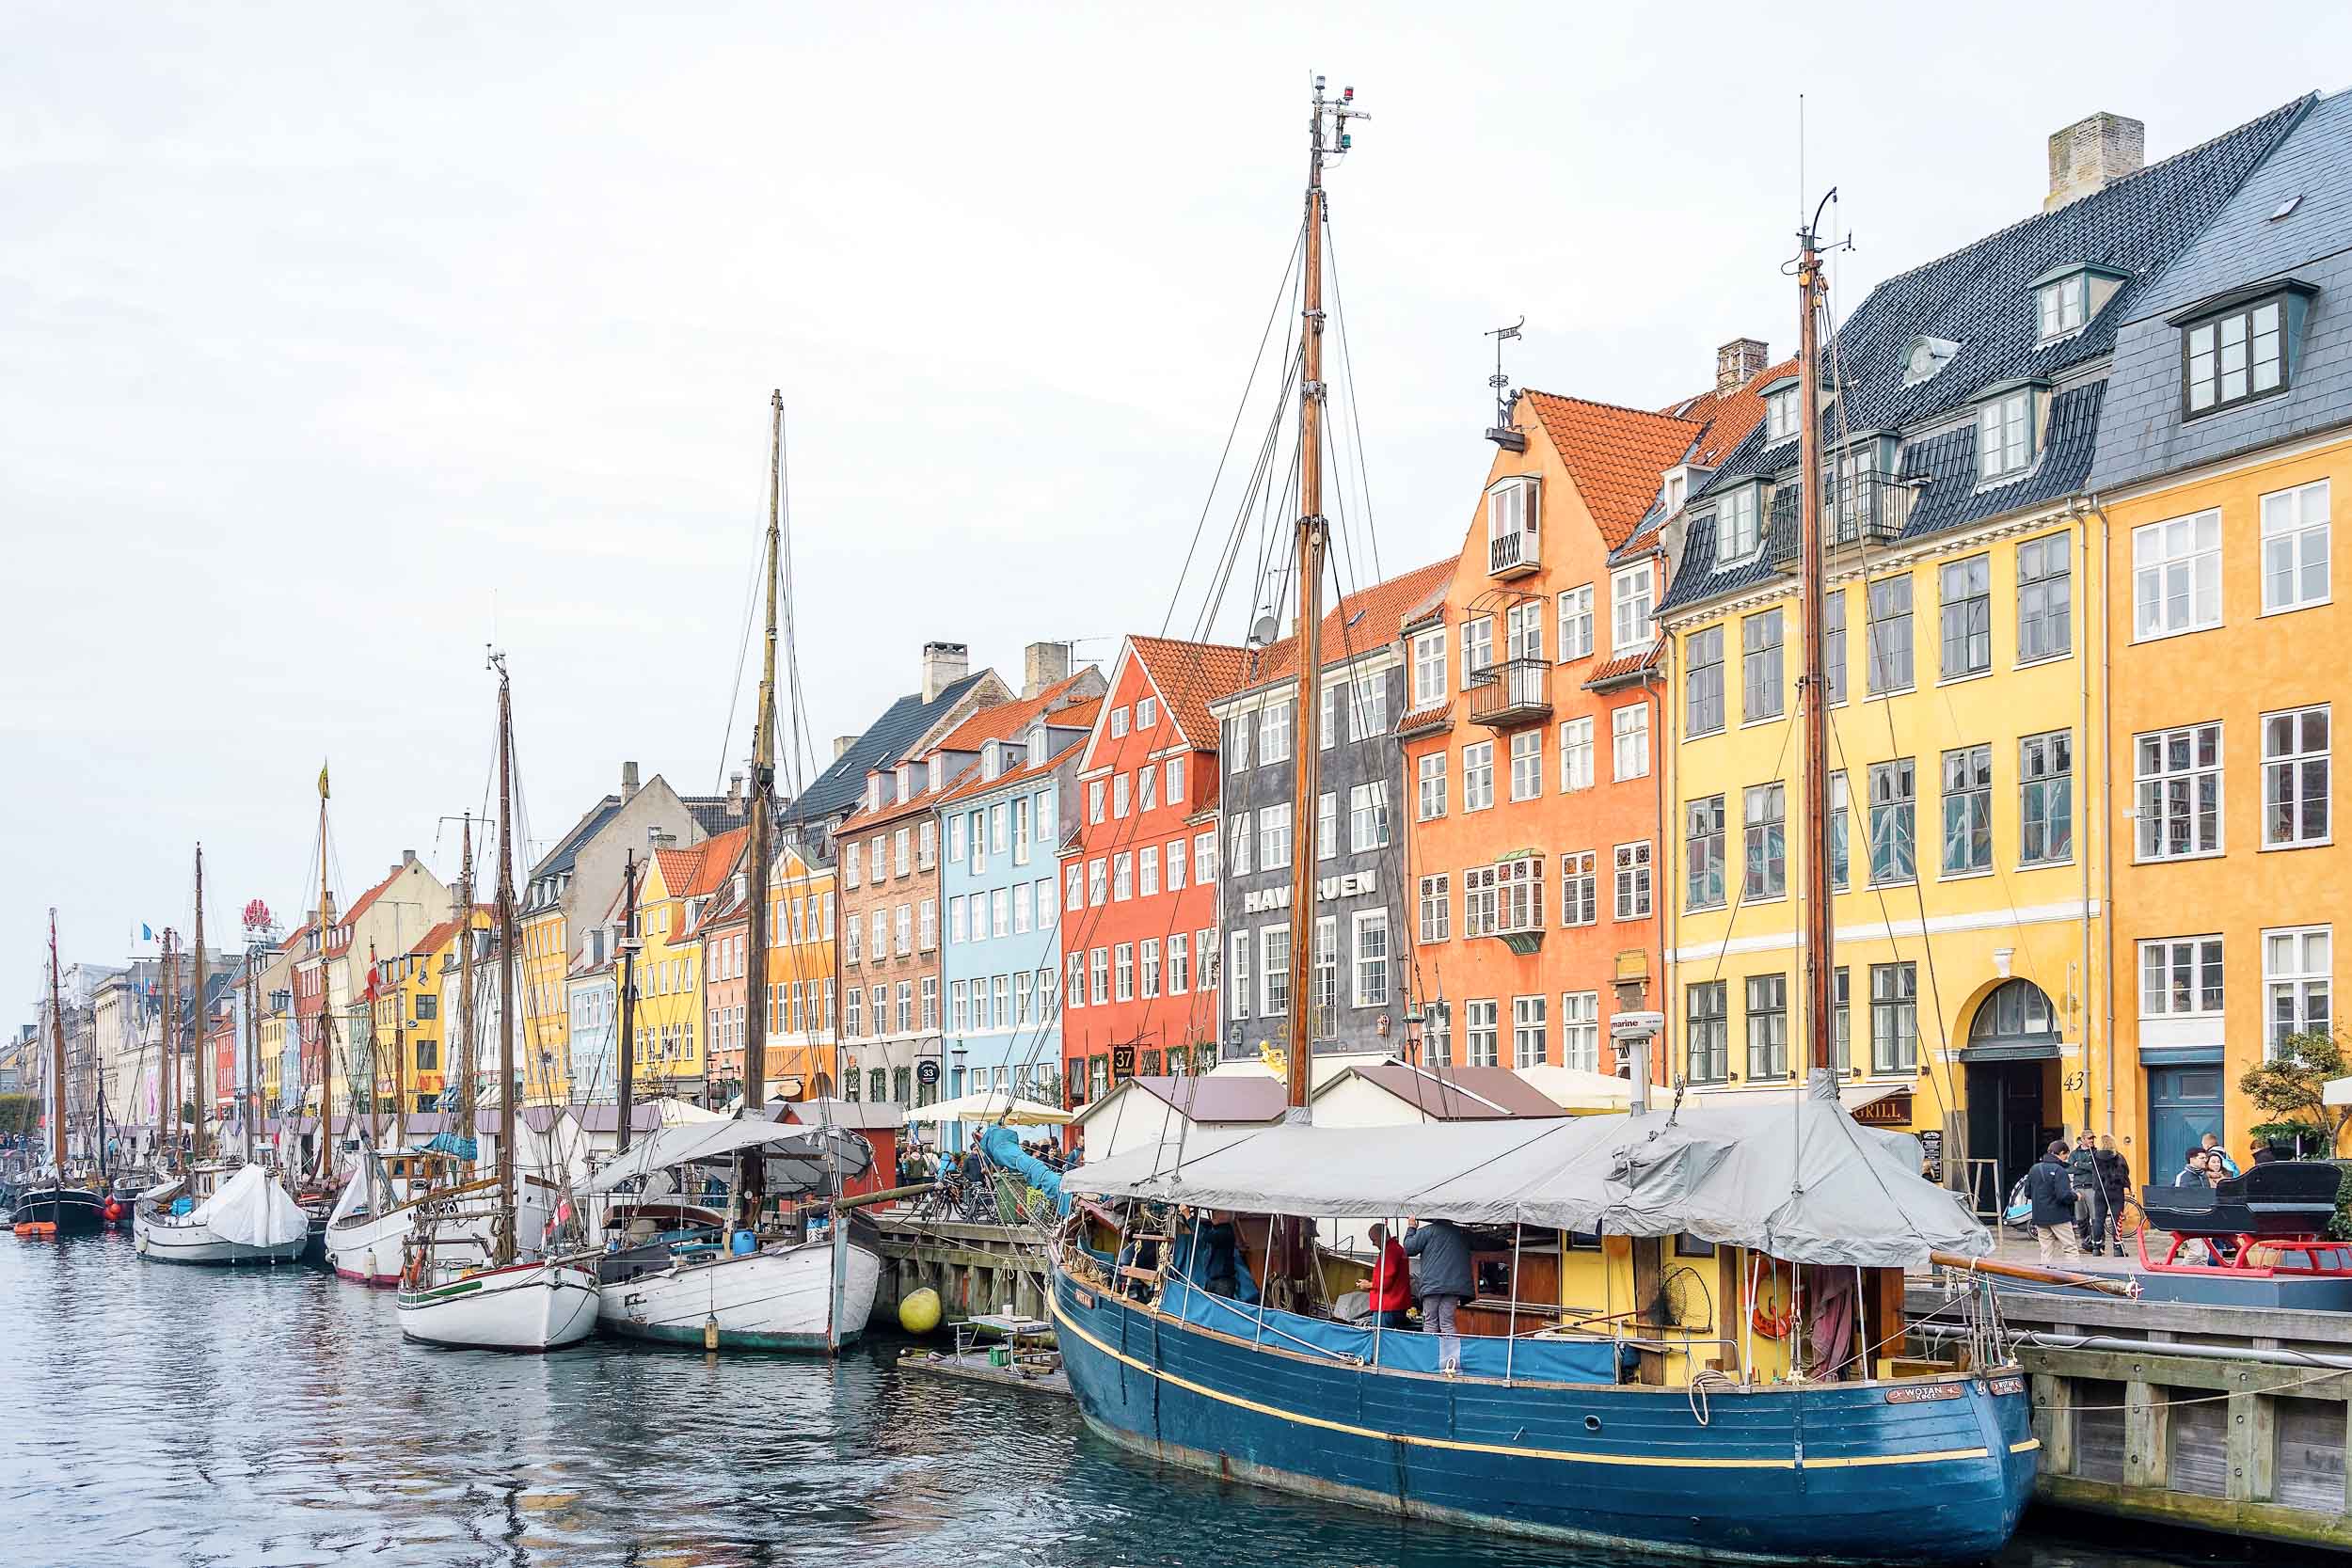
point(2236, 357)
point(1927, 356)
point(1739, 526)
point(906, 780)
point(991, 760)
point(2067, 299)
point(1037, 743)
point(1780, 411)
point(2007, 432)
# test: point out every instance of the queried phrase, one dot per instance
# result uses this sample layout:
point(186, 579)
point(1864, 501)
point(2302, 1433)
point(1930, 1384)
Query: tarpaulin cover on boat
point(1565, 1359)
point(807, 1152)
point(1798, 1179)
point(251, 1208)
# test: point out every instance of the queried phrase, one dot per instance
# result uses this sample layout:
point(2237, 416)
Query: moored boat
point(368, 1232)
point(48, 1208)
point(223, 1215)
point(537, 1305)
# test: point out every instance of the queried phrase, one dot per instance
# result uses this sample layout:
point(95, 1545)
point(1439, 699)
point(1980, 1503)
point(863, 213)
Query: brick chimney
point(735, 794)
point(2092, 152)
point(1043, 664)
point(1738, 362)
point(629, 782)
point(944, 664)
point(841, 743)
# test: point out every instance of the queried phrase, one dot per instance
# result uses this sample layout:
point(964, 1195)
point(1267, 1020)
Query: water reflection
point(171, 1414)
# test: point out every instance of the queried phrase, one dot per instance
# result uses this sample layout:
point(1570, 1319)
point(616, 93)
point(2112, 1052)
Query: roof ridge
point(1610, 408)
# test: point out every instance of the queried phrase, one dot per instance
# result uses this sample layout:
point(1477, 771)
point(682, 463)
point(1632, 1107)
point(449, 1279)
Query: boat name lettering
point(2008, 1385)
point(1920, 1393)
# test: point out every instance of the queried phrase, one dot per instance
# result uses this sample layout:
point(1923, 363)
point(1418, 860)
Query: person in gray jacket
point(1445, 1271)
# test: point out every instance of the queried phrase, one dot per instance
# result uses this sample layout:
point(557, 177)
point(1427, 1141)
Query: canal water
point(152, 1415)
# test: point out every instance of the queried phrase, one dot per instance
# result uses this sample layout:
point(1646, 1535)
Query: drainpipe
point(2090, 505)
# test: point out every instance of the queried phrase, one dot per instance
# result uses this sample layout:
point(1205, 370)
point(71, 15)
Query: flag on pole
point(147, 932)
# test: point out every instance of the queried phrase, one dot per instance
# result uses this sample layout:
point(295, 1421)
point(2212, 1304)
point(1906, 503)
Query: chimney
point(2092, 152)
point(735, 793)
point(1043, 664)
point(944, 664)
point(407, 857)
point(1738, 362)
point(629, 782)
point(841, 744)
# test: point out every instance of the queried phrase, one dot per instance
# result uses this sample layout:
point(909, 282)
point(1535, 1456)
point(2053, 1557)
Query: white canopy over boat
point(1798, 1179)
point(809, 1153)
point(251, 1208)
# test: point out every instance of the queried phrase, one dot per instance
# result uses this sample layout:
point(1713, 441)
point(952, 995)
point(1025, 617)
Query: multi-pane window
point(2046, 598)
point(1174, 855)
point(1519, 895)
point(1179, 964)
point(2045, 798)
point(2061, 305)
point(1529, 1034)
point(1628, 741)
point(1236, 758)
point(1738, 531)
point(1894, 793)
point(1839, 814)
point(2233, 358)
point(1760, 684)
point(1274, 837)
point(1633, 881)
point(1204, 858)
point(1841, 1028)
point(1707, 1046)
point(1580, 1030)
point(2176, 576)
point(1274, 732)
point(1527, 765)
point(1479, 1021)
point(1478, 649)
point(1244, 829)
point(1575, 623)
point(1074, 993)
point(1576, 755)
point(1146, 799)
point(1478, 776)
point(2180, 978)
point(1367, 707)
point(2005, 434)
point(1324, 977)
point(1429, 667)
point(1704, 683)
point(1894, 1018)
point(1147, 879)
point(1764, 822)
point(1437, 909)
point(1579, 904)
point(1429, 787)
point(1372, 958)
point(1480, 901)
point(1630, 603)
point(1175, 792)
point(1833, 645)
point(1887, 633)
point(1367, 817)
point(2294, 549)
point(1327, 826)
point(1237, 976)
point(1274, 971)
point(1768, 1027)
point(1099, 975)
point(1703, 851)
point(2296, 777)
point(2179, 796)
point(1967, 598)
point(1123, 972)
point(1780, 417)
point(1523, 629)
point(2298, 987)
point(1968, 809)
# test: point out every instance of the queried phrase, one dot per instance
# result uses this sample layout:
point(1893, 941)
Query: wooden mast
point(56, 1031)
point(1312, 544)
point(250, 1113)
point(464, 983)
point(167, 1110)
point(509, 1082)
point(625, 1094)
point(399, 1055)
point(327, 1010)
point(204, 1024)
point(763, 828)
point(1820, 925)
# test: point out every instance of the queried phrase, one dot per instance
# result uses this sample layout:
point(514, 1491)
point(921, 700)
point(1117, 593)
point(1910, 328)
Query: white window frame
point(1429, 786)
point(1575, 623)
point(2169, 964)
point(2176, 562)
point(2291, 988)
point(1372, 974)
point(1527, 764)
point(1274, 971)
point(2005, 434)
point(1429, 668)
point(1628, 741)
point(1632, 608)
point(1481, 1023)
point(2152, 788)
point(1631, 883)
point(1580, 1030)
point(1739, 526)
point(2296, 527)
point(1576, 755)
point(1368, 816)
point(1436, 907)
point(1478, 650)
point(2290, 764)
point(1478, 776)
point(1530, 1031)
point(1580, 887)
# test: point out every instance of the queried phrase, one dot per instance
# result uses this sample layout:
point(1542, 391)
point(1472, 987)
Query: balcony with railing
point(1864, 504)
point(1514, 693)
point(1512, 554)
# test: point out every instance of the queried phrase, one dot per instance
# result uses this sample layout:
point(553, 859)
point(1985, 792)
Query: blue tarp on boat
point(450, 1143)
point(1399, 1349)
point(1002, 1145)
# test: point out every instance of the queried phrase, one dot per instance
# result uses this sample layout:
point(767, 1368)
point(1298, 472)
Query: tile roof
point(1623, 667)
point(441, 934)
point(1190, 676)
point(1003, 720)
point(1367, 619)
point(1456, 1093)
point(1614, 455)
point(973, 784)
point(1431, 719)
point(840, 786)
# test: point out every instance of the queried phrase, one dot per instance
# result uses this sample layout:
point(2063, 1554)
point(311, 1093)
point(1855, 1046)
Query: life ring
point(413, 1272)
point(1770, 1324)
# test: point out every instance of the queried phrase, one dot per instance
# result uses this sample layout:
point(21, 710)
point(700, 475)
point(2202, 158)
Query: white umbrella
point(990, 1107)
point(1576, 1090)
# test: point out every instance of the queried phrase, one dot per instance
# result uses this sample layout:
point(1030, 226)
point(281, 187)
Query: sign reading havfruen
point(1349, 886)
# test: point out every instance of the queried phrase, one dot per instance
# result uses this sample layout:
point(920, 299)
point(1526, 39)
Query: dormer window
point(1780, 411)
point(2066, 298)
point(938, 770)
point(1739, 526)
point(1927, 356)
point(991, 760)
point(906, 780)
point(2008, 431)
point(1037, 743)
point(1677, 485)
point(1512, 506)
point(2240, 352)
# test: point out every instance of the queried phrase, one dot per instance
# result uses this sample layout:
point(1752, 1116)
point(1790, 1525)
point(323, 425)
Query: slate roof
point(1981, 297)
point(560, 858)
point(1616, 456)
point(2143, 433)
point(885, 740)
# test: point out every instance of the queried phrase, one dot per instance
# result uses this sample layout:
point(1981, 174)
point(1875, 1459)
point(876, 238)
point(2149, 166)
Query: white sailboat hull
point(367, 1248)
point(163, 1236)
point(176, 1240)
point(779, 1300)
point(524, 1307)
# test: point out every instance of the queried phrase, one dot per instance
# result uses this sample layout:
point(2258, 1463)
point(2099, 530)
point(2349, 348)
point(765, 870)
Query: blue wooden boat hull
point(1826, 1472)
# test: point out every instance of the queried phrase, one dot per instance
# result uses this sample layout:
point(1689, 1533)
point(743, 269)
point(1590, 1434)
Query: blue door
point(2183, 1104)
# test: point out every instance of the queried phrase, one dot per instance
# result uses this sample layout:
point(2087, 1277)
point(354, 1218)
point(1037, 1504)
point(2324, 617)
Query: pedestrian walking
point(2051, 1191)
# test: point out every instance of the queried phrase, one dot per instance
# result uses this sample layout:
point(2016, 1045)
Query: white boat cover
point(251, 1208)
point(807, 1152)
point(1798, 1179)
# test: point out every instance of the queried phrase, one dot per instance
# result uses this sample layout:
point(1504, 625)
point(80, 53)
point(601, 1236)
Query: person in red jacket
point(1392, 1281)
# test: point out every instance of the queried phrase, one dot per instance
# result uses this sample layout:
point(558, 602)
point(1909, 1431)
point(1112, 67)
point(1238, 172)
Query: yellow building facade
point(546, 1018)
point(670, 1042)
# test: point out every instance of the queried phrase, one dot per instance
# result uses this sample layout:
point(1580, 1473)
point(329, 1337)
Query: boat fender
point(710, 1333)
point(413, 1272)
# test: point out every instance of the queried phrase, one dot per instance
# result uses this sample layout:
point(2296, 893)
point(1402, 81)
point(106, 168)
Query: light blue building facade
point(1001, 955)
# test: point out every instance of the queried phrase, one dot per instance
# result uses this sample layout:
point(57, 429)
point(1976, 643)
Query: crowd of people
point(2077, 1191)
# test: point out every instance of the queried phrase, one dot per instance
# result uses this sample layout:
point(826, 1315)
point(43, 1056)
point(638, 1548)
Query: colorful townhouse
point(2228, 421)
point(1002, 828)
point(801, 984)
point(1961, 405)
point(1364, 898)
point(281, 1060)
point(1529, 737)
point(408, 1009)
point(1139, 872)
point(389, 917)
point(675, 888)
point(569, 893)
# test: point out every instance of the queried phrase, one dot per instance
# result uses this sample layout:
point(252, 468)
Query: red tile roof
point(1189, 675)
point(1431, 719)
point(974, 783)
point(1367, 619)
point(438, 937)
point(1004, 721)
point(1623, 665)
point(1616, 456)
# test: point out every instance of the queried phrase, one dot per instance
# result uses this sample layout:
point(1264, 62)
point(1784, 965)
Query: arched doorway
point(2011, 1063)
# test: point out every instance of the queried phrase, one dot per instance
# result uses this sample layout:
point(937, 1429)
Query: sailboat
point(1631, 1371)
point(50, 1205)
point(777, 1278)
point(518, 1302)
point(219, 1211)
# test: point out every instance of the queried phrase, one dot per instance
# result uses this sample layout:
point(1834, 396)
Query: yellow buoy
point(918, 1310)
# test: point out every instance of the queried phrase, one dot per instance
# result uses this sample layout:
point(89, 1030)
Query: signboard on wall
point(1932, 1146)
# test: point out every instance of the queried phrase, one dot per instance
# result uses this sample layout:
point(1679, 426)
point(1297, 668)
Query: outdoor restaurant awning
point(992, 1105)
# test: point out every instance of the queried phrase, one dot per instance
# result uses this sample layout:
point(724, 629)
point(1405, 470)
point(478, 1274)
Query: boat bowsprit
point(539, 1304)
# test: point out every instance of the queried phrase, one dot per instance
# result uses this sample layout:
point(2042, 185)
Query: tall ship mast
point(53, 1206)
point(198, 1092)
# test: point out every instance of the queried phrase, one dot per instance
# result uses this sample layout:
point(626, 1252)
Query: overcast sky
point(339, 341)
